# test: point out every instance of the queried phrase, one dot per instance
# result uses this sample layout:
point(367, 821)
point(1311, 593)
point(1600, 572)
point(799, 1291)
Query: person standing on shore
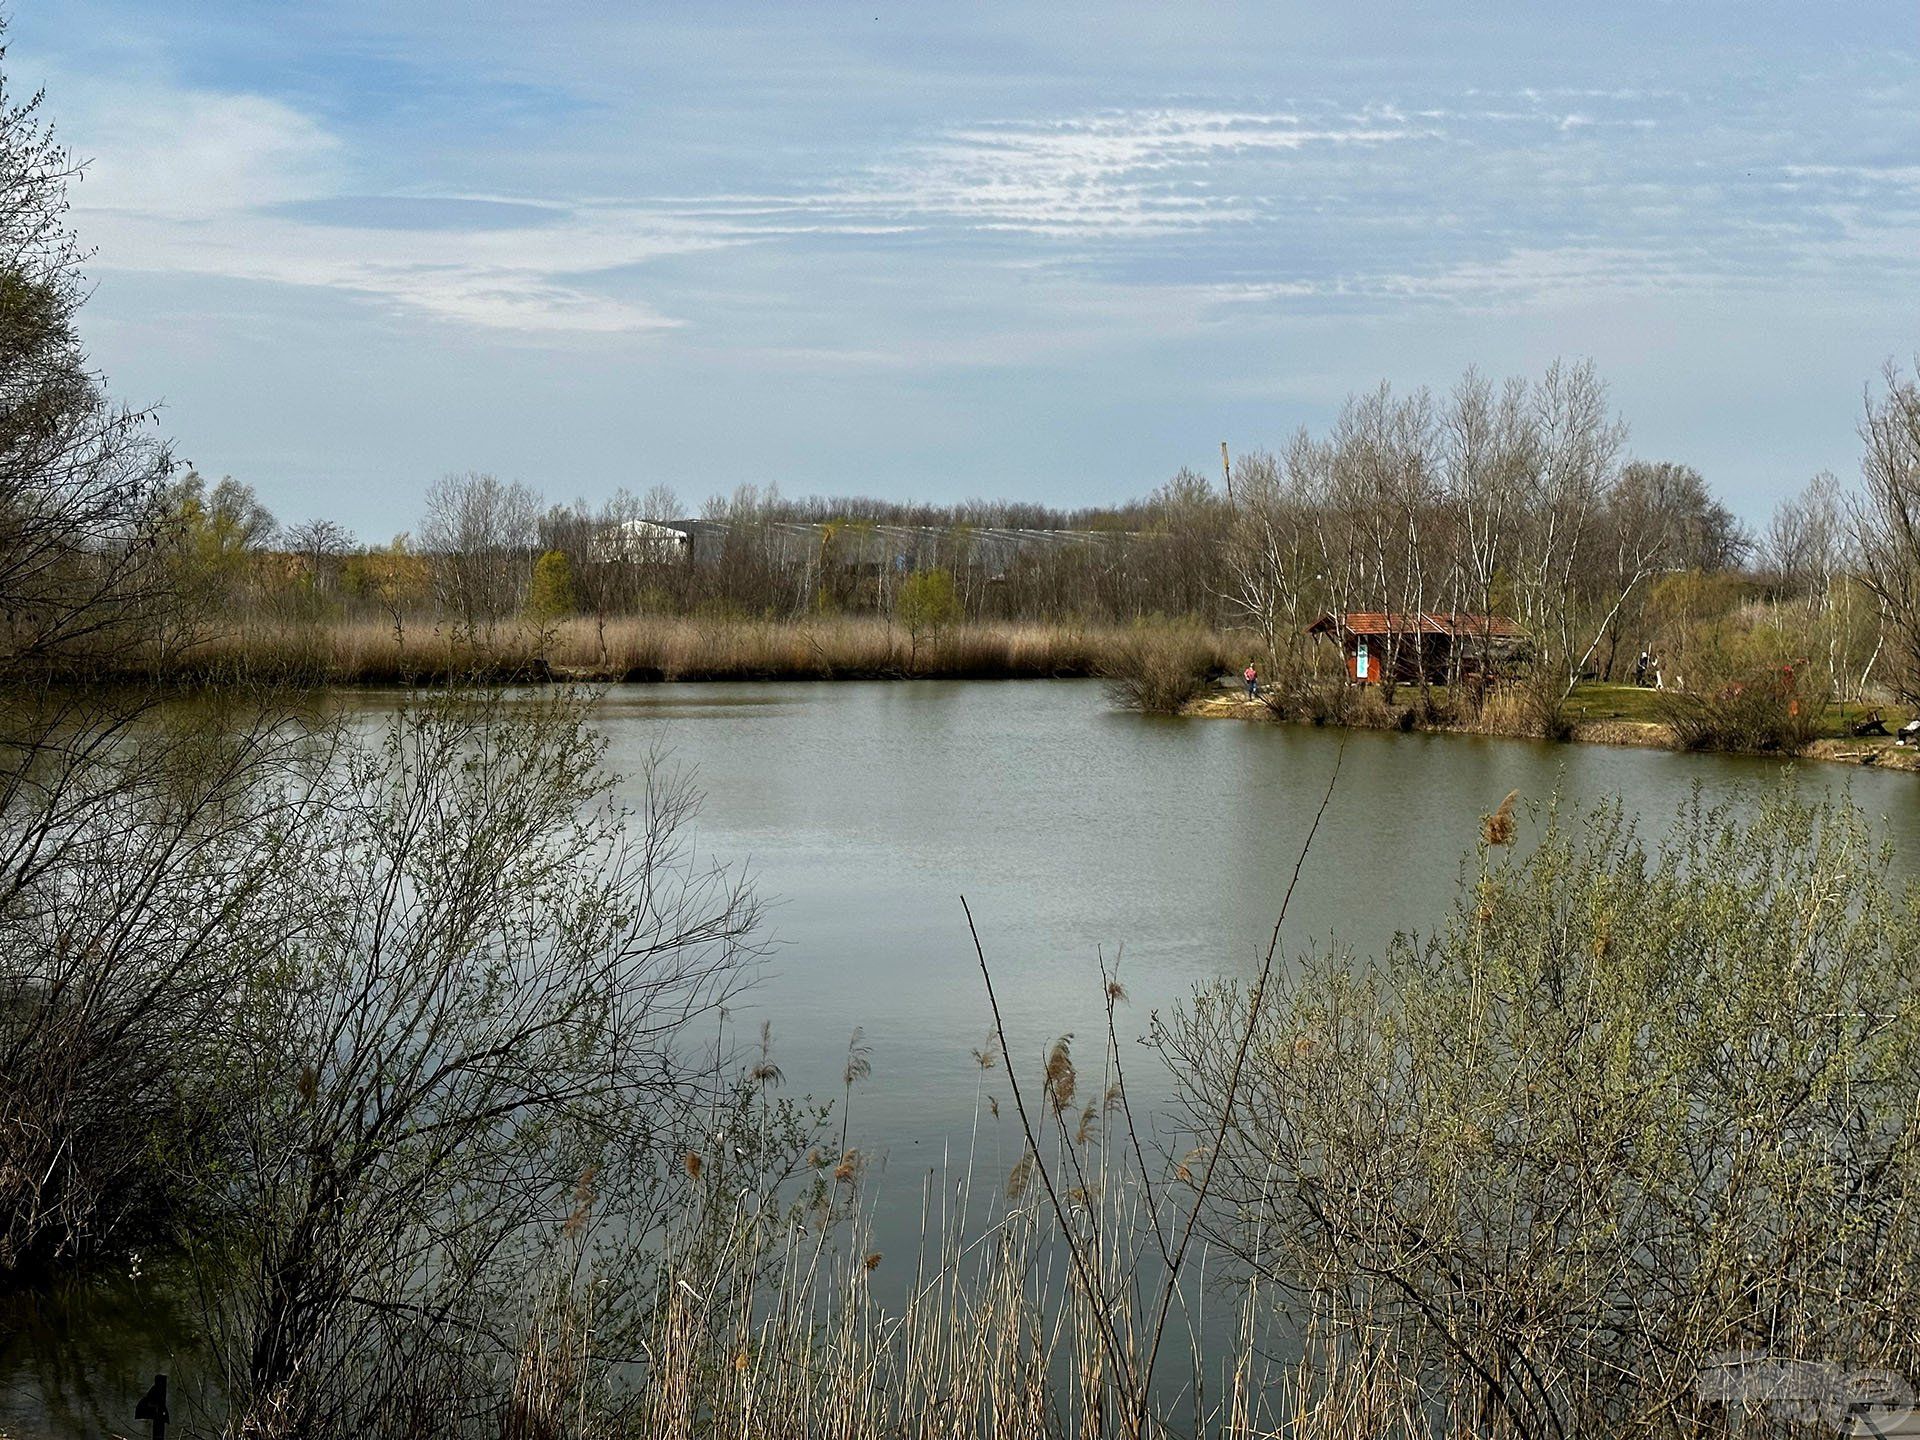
point(1252, 677)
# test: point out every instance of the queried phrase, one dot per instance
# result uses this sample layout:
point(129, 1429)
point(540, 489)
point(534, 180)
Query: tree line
point(1514, 498)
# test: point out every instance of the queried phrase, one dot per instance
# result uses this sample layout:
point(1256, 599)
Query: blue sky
point(1049, 251)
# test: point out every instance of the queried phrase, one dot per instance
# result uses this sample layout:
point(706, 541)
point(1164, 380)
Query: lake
point(865, 811)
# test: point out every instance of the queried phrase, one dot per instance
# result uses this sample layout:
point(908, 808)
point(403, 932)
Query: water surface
point(1078, 832)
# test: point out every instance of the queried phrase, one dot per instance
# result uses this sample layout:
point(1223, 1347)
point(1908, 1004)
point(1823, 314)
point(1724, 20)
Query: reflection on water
point(867, 809)
point(670, 702)
point(73, 1362)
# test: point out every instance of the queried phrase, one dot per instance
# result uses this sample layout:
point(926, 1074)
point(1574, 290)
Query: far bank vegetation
point(1517, 498)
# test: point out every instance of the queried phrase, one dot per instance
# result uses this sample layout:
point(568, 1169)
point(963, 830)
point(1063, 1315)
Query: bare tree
point(619, 553)
point(1659, 516)
point(318, 540)
point(1886, 523)
point(1807, 536)
point(1265, 565)
point(1386, 475)
point(1488, 451)
point(481, 533)
point(1575, 455)
point(1180, 552)
point(1810, 550)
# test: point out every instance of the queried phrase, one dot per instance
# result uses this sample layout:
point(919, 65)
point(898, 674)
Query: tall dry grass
point(783, 1328)
point(648, 647)
point(1034, 1307)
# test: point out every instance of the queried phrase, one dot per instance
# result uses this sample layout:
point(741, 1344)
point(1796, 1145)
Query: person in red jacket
point(1252, 677)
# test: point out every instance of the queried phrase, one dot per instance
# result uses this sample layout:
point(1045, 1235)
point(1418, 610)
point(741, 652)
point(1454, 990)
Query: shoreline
point(660, 649)
point(1868, 752)
point(653, 649)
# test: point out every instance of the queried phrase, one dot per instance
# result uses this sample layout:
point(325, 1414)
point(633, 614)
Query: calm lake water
point(865, 811)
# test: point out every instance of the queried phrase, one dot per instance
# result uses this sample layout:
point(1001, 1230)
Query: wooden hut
point(1443, 645)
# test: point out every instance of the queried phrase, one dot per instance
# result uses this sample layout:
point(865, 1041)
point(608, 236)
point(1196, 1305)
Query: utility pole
point(1226, 471)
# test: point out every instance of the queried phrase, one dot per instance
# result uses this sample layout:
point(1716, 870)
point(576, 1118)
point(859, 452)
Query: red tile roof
point(1425, 622)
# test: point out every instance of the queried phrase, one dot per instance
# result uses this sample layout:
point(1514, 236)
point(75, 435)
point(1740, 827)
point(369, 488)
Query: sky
point(1045, 251)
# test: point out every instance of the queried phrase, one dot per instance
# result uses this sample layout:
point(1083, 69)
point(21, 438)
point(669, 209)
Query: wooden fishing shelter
point(1445, 645)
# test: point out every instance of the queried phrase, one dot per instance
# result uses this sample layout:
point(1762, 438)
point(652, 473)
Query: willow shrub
point(1635, 1107)
point(1774, 708)
point(1158, 669)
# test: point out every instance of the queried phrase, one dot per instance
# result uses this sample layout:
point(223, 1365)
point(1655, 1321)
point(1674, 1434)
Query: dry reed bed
point(778, 1330)
point(995, 1338)
point(642, 648)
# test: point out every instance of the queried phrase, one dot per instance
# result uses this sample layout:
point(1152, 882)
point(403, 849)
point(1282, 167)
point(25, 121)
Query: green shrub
point(1635, 1107)
point(550, 596)
point(927, 602)
point(1772, 710)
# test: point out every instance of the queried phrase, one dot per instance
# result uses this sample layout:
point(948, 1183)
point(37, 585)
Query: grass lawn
point(1612, 702)
point(1838, 719)
point(1632, 702)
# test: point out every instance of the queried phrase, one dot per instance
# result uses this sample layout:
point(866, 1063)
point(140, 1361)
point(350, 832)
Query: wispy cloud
point(1133, 173)
point(158, 150)
point(248, 188)
point(198, 182)
point(1571, 274)
point(532, 279)
point(1479, 199)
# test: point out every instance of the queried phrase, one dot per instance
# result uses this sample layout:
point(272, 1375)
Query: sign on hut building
point(1444, 646)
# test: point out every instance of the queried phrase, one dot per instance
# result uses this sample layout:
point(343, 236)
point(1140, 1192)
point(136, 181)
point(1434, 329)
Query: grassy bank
point(651, 648)
point(1596, 714)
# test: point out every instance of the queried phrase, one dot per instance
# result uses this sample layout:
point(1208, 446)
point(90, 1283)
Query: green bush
point(1775, 709)
point(927, 601)
point(551, 596)
point(1633, 1108)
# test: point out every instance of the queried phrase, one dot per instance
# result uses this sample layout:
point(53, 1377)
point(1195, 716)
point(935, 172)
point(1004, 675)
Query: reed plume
point(1061, 1078)
point(1499, 827)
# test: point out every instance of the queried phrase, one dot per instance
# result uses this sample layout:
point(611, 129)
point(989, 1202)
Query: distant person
point(1640, 668)
point(1252, 677)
